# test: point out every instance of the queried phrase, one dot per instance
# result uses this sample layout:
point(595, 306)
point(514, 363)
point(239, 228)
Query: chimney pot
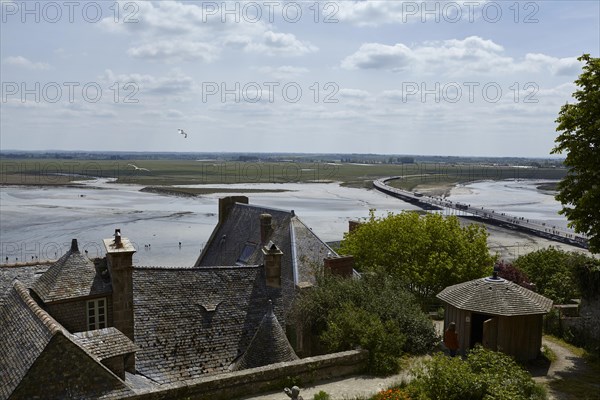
point(118, 238)
point(353, 225)
point(227, 203)
point(341, 266)
point(74, 246)
point(272, 261)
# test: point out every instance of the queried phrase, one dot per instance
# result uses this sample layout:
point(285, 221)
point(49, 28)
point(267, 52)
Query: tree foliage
point(510, 272)
point(553, 272)
point(579, 124)
point(587, 277)
point(484, 375)
point(429, 252)
point(373, 312)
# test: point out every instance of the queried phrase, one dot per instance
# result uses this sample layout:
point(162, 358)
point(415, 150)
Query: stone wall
point(64, 371)
point(73, 314)
point(256, 380)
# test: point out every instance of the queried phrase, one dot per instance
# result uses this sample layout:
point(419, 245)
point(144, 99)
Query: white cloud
point(175, 51)
point(470, 55)
point(186, 31)
point(284, 71)
point(173, 84)
point(23, 62)
point(557, 66)
point(280, 44)
point(375, 13)
point(174, 114)
point(354, 94)
point(379, 56)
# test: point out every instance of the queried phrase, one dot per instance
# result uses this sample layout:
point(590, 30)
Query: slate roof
point(195, 321)
point(105, 343)
point(302, 249)
point(268, 346)
point(495, 296)
point(71, 276)
point(26, 274)
point(26, 331)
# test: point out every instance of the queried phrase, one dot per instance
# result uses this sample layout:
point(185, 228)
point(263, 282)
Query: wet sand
point(41, 221)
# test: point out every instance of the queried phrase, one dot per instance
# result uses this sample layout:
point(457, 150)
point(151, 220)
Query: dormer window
point(96, 314)
point(246, 253)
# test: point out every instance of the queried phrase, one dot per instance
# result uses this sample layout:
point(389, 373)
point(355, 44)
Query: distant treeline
point(280, 157)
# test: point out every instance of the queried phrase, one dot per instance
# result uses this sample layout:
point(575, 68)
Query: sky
point(458, 78)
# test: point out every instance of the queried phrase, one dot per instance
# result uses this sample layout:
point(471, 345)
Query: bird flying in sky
point(138, 168)
point(182, 132)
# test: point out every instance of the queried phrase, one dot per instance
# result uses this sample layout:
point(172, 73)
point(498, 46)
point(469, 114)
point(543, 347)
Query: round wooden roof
point(495, 296)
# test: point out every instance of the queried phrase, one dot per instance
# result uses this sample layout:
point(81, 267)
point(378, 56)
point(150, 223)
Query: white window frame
point(96, 313)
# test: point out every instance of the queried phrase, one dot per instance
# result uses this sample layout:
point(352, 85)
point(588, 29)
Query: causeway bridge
point(534, 227)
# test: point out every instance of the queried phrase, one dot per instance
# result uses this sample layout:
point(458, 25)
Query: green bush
point(321, 396)
point(484, 375)
point(374, 312)
point(350, 328)
point(560, 275)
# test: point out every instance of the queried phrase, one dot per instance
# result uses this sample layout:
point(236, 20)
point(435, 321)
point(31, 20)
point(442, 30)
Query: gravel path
point(341, 389)
point(566, 364)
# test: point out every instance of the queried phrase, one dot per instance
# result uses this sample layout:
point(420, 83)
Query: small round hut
point(498, 314)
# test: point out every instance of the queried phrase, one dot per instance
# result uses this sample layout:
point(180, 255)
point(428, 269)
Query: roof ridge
point(50, 323)
point(193, 268)
point(266, 208)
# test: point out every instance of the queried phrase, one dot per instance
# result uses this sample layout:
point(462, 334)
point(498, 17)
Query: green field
point(185, 172)
point(423, 176)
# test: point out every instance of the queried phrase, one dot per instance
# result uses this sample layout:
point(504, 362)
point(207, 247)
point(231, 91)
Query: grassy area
point(424, 176)
point(180, 172)
point(193, 192)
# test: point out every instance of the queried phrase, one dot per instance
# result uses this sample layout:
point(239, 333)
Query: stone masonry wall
point(73, 314)
point(256, 380)
point(64, 371)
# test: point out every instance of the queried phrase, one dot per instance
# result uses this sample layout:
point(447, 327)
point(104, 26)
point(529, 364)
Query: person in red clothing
point(451, 339)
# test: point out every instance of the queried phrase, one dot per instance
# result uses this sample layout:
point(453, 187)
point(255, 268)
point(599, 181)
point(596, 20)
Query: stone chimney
point(272, 260)
point(341, 266)
point(74, 246)
point(119, 257)
point(225, 204)
point(353, 225)
point(265, 227)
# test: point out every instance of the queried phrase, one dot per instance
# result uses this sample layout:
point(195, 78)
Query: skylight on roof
point(246, 253)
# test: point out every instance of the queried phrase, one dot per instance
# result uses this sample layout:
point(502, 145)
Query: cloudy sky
point(397, 77)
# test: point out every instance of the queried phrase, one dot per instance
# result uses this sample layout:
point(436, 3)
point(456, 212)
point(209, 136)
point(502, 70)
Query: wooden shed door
point(490, 333)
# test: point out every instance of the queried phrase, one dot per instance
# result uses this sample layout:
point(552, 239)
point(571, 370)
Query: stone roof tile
point(24, 336)
point(26, 274)
point(195, 321)
point(105, 343)
point(268, 346)
point(72, 276)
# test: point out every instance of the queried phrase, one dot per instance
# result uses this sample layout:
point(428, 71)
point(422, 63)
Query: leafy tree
point(579, 191)
point(428, 252)
point(484, 375)
point(553, 272)
point(513, 274)
point(587, 277)
point(374, 312)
